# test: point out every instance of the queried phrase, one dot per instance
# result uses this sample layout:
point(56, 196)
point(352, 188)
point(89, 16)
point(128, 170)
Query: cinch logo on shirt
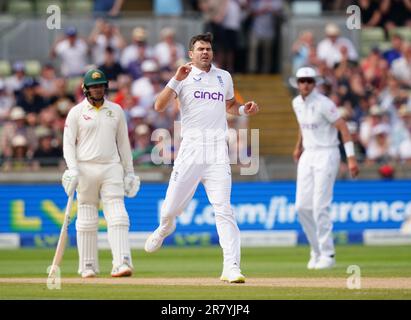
point(209, 95)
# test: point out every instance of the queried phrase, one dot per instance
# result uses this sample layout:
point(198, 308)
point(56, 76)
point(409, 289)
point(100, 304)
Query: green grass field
point(379, 263)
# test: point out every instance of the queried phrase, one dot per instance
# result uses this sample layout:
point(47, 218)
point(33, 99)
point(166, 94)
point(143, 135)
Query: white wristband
point(241, 110)
point(173, 84)
point(349, 149)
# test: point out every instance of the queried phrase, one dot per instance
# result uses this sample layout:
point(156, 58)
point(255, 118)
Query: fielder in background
point(318, 160)
point(98, 156)
point(205, 94)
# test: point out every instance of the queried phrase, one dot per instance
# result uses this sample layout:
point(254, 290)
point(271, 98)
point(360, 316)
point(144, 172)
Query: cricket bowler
point(205, 95)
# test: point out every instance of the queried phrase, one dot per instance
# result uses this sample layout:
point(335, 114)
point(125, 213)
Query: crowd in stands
point(33, 109)
point(373, 93)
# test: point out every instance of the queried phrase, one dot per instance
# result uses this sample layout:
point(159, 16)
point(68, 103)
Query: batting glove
point(70, 181)
point(131, 185)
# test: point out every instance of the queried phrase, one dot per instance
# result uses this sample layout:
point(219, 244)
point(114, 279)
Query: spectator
point(6, 102)
point(105, 35)
point(146, 88)
point(395, 13)
point(262, 33)
point(231, 27)
point(137, 116)
point(238, 148)
point(123, 89)
point(388, 94)
point(379, 149)
point(17, 126)
point(107, 8)
point(138, 50)
point(14, 83)
point(396, 49)
point(61, 92)
point(336, 5)
point(358, 147)
point(404, 130)
point(48, 153)
point(168, 51)
point(111, 69)
point(375, 117)
point(129, 103)
point(47, 120)
point(73, 52)
point(213, 13)
point(48, 82)
point(374, 67)
point(301, 50)
point(329, 49)
point(370, 13)
point(397, 103)
point(142, 146)
point(29, 99)
point(223, 20)
point(401, 133)
point(401, 67)
point(162, 120)
point(19, 158)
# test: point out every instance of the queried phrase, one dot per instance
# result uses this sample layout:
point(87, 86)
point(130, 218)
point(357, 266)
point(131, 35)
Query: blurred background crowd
point(370, 83)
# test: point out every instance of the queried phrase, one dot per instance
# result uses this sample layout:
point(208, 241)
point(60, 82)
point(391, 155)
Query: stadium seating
point(371, 37)
point(5, 68)
point(405, 32)
point(20, 7)
point(80, 6)
point(32, 67)
point(72, 84)
point(276, 120)
point(41, 5)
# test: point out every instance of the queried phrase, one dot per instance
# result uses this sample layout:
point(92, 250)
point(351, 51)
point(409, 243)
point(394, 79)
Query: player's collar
point(310, 96)
point(196, 71)
point(89, 106)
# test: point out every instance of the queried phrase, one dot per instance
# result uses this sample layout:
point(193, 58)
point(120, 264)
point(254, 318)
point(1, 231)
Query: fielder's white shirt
point(97, 135)
point(316, 116)
point(73, 58)
point(330, 51)
point(203, 98)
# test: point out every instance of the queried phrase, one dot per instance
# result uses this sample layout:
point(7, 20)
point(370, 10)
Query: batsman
point(98, 156)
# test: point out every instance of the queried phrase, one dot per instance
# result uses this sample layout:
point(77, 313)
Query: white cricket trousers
point(101, 181)
point(210, 165)
point(316, 174)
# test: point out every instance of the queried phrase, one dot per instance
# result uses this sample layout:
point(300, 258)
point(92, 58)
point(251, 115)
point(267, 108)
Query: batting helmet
point(93, 77)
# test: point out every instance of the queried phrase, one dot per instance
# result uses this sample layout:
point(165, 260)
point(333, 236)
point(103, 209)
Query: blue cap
point(71, 31)
point(29, 83)
point(18, 66)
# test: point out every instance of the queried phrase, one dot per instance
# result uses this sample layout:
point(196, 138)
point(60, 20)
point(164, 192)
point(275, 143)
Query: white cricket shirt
point(316, 116)
point(203, 98)
point(97, 135)
point(73, 58)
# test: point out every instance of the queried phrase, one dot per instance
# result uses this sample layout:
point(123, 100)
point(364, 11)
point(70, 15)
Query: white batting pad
point(87, 225)
point(117, 229)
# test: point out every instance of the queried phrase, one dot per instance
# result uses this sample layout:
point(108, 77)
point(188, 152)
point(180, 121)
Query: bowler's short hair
point(206, 37)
